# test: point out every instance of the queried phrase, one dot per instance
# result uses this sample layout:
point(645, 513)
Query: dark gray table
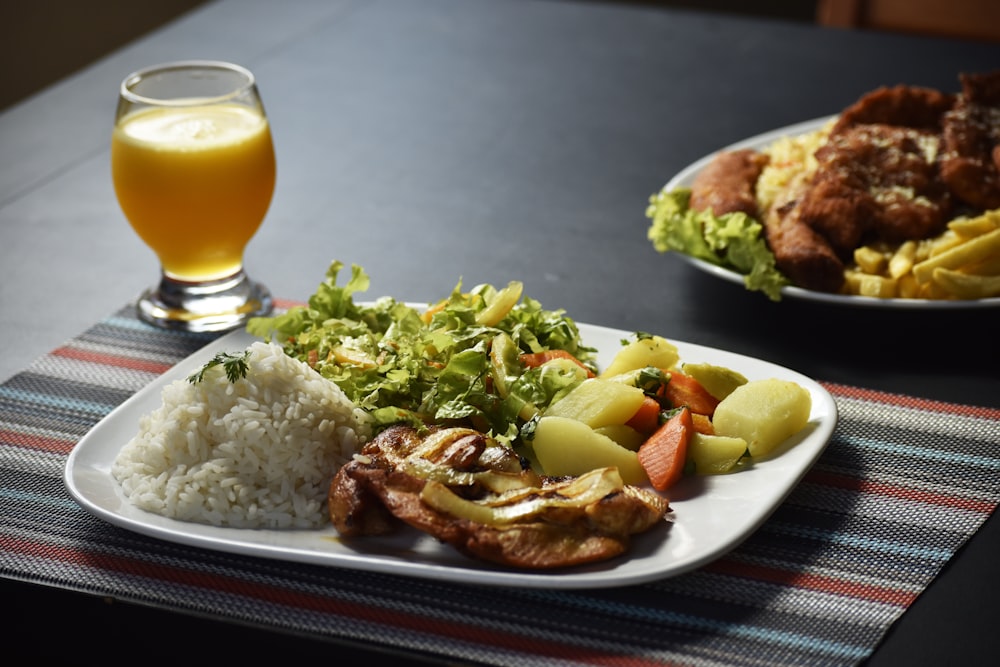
point(488, 141)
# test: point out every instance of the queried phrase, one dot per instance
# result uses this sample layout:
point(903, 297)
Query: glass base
point(215, 305)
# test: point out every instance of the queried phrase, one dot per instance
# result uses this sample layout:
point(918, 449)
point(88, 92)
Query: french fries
point(961, 263)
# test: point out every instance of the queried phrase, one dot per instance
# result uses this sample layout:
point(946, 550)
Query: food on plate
point(971, 161)
point(719, 381)
point(902, 106)
point(482, 420)
point(889, 173)
point(733, 240)
point(654, 413)
point(598, 402)
point(460, 360)
point(471, 492)
point(664, 454)
point(566, 446)
point(655, 351)
point(715, 454)
point(728, 183)
point(763, 413)
point(250, 441)
point(963, 262)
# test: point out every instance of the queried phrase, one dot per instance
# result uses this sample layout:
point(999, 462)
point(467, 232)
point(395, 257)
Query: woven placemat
point(903, 484)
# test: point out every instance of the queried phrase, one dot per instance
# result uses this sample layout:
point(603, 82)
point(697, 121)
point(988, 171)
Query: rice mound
point(791, 162)
point(257, 453)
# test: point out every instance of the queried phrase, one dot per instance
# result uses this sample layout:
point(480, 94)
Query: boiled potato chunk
point(624, 435)
point(715, 454)
point(652, 351)
point(763, 413)
point(564, 446)
point(597, 403)
point(719, 381)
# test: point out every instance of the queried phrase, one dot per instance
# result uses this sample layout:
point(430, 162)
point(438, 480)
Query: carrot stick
point(647, 418)
point(702, 424)
point(663, 454)
point(536, 359)
point(684, 390)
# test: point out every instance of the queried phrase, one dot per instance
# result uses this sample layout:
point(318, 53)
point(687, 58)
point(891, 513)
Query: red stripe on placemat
point(903, 401)
point(439, 627)
point(111, 360)
point(37, 442)
point(812, 582)
point(895, 491)
point(52, 445)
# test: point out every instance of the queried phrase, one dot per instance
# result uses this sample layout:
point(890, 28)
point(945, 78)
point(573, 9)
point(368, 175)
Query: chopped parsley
point(235, 365)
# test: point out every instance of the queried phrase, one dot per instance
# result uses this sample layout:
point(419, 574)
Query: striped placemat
point(903, 484)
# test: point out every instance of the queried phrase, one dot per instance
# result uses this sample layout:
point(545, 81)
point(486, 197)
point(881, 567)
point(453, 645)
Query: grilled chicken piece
point(472, 493)
point(457, 455)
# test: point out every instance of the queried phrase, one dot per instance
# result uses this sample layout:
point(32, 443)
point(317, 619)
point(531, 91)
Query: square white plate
point(710, 515)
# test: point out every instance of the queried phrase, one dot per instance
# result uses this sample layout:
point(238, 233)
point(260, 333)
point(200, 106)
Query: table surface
point(488, 141)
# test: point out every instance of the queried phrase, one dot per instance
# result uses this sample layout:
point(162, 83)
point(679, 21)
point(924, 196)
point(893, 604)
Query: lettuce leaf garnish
point(403, 364)
point(733, 240)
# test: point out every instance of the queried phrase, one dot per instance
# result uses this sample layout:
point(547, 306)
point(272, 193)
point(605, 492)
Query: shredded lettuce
point(732, 241)
point(403, 364)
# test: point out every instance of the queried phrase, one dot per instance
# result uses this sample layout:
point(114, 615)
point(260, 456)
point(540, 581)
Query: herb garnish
point(235, 365)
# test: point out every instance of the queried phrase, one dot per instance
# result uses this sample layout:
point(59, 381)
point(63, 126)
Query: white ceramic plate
point(686, 177)
point(711, 515)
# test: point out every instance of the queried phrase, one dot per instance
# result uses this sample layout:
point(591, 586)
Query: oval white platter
point(686, 177)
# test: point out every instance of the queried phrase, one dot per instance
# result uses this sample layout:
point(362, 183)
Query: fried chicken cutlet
point(895, 166)
point(970, 163)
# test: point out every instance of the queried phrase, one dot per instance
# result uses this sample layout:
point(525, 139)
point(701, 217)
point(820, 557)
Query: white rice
point(791, 163)
point(257, 453)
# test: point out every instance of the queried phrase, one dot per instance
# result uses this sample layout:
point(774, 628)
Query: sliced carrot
point(431, 311)
point(663, 454)
point(536, 359)
point(685, 390)
point(647, 418)
point(702, 424)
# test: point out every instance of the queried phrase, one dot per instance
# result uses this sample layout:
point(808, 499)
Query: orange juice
point(194, 183)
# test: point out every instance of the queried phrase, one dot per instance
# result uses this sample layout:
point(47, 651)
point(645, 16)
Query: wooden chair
point(964, 19)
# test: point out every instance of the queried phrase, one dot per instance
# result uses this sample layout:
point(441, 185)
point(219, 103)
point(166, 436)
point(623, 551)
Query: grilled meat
point(474, 494)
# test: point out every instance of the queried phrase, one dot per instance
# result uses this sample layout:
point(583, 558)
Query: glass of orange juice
point(193, 168)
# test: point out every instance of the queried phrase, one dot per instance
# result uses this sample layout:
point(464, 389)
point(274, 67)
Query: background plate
point(686, 177)
point(711, 515)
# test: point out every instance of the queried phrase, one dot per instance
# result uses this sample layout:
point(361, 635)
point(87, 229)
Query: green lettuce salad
point(733, 241)
point(459, 359)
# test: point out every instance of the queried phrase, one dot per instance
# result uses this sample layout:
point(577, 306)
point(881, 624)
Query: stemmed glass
point(193, 168)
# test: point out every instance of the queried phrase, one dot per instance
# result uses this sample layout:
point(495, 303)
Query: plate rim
point(684, 177)
point(87, 463)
